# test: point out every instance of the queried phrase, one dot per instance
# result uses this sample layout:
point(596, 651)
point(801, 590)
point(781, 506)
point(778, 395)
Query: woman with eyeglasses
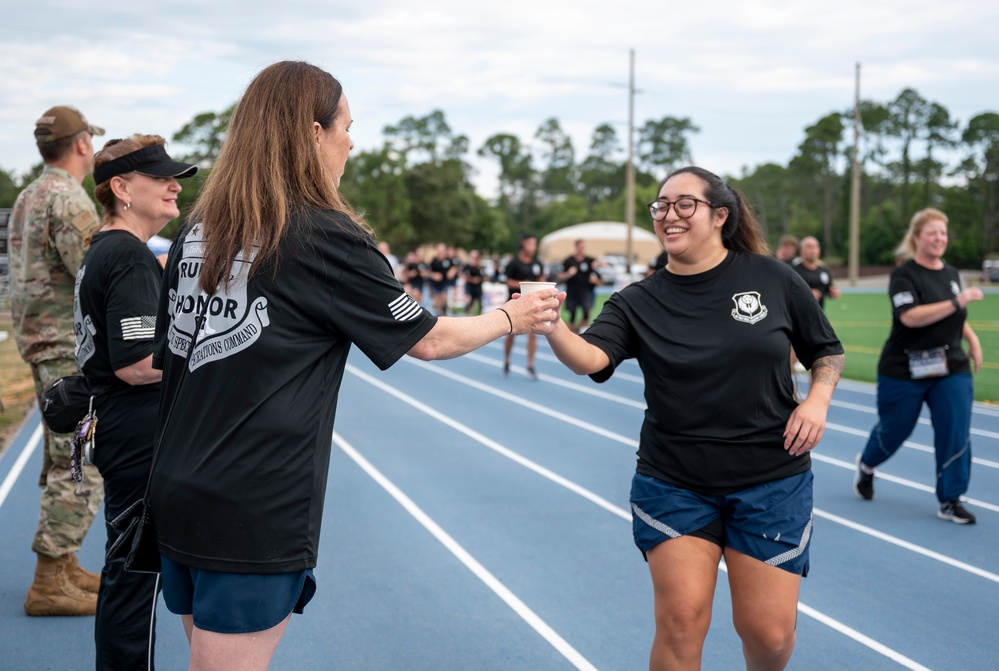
point(723, 458)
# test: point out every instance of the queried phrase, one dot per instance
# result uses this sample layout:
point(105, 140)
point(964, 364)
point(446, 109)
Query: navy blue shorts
point(235, 603)
point(771, 522)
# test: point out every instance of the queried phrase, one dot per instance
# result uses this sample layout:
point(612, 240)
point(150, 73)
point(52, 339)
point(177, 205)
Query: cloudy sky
point(750, 74)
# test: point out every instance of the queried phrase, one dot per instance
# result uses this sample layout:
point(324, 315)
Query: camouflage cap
point(62, 121)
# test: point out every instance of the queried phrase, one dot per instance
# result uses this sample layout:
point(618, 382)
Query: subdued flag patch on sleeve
point(405, 308)
point(138, 328)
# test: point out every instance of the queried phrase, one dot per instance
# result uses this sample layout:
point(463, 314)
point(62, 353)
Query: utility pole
point(854, 262)
point(629, 205)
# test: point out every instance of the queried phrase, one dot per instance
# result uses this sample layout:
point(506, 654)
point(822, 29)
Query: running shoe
point(531, 375)
point(956, 513)
point(863, 483)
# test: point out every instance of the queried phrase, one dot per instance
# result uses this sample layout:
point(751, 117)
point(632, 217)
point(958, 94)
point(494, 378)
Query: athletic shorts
point(771, 522)
point(235, 603)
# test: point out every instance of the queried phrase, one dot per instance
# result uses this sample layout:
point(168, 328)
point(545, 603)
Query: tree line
point(417, 187)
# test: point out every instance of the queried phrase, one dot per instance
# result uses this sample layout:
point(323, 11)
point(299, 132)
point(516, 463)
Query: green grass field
point(863, 320)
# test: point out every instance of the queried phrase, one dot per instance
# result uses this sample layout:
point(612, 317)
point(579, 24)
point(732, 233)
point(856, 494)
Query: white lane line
point(866, 641)
point(912, 547)
point(581, 388)
point(493, 445)
point(462, 555)
point(631, 442)
point(869, 410)
point(22, 459)
point(919, 447)
point(569, 419)
point(618, 511)
point(851, 466)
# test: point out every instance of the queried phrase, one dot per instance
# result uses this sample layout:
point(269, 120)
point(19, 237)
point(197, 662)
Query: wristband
point(957, 304)
point(507, 318)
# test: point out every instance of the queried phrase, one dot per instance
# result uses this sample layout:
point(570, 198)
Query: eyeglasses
point(684, 207)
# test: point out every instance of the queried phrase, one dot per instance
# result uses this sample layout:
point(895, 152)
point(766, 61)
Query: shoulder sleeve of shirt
point(370, 307)
point(812, 336)
point(73, 219)
point(903, 290)
point(132, 304)
point(612, 332)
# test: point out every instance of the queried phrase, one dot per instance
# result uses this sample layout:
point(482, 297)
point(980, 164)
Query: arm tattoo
point(828, 369)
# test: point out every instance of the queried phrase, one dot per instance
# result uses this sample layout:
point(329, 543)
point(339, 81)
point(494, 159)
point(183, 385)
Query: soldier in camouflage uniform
point(50, 224)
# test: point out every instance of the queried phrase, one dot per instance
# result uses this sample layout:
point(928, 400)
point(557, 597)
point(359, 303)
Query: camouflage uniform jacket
point(50, 220)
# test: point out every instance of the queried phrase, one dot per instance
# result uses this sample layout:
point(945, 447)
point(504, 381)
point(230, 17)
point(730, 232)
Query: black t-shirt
point(240, 477)
point(520, 271)
point(714, 349)
point(818, 279)
point(414, 275)
point(473, 279)
point(580, 282)
point(911, 285)
point(115, 305)
point(442, 266)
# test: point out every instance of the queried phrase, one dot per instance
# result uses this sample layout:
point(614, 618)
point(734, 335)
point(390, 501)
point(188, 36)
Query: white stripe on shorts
point(654, 523)
point(791, 554)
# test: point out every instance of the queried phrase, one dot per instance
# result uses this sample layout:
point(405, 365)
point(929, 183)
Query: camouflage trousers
point(67, 508)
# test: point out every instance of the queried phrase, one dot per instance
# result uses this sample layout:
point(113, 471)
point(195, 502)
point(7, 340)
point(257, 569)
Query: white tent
point(601, 237)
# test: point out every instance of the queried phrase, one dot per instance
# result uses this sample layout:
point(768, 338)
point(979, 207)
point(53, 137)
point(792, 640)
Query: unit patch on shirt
point(748, 307)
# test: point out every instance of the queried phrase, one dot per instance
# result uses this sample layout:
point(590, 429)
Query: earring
point(127, 205)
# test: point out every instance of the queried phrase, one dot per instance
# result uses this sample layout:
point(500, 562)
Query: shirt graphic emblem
point(748, 307)
point(232, 320)
point(405, 308)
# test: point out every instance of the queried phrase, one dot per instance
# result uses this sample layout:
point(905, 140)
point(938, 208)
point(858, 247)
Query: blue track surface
point(480, 522)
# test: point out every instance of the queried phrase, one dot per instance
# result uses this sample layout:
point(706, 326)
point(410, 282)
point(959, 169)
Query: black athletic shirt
point(531, 271)
point(580, 282)
point(240, 477)
point(114, 307)
point(714, 349)
point(819, 279)
point(910, 285)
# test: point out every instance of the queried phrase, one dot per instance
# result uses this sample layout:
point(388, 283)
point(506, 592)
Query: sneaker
point(956, 513)
point(863, 483)
point(531, 375)
point(506, 369)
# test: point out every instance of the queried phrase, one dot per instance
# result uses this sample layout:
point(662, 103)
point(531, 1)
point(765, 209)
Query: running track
point(477, 522)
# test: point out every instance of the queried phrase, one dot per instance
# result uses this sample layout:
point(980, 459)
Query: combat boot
point(81, 577)
point(53, 593)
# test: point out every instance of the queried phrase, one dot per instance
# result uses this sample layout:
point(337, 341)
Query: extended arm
point(452, 337)
point(581, 357)
point(931, 313)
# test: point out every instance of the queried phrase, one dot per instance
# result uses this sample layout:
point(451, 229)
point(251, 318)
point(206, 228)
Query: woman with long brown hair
point(723, 458)
point(262, 299)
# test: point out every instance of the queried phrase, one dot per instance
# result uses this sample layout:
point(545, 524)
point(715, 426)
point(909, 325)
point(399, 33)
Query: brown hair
point(111, 150)
point(268, 169)
point(741, 231)
point(57, 149)
point(907, 248)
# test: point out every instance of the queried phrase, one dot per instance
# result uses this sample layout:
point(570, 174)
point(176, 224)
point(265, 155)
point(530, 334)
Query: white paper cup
point(528, 287)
